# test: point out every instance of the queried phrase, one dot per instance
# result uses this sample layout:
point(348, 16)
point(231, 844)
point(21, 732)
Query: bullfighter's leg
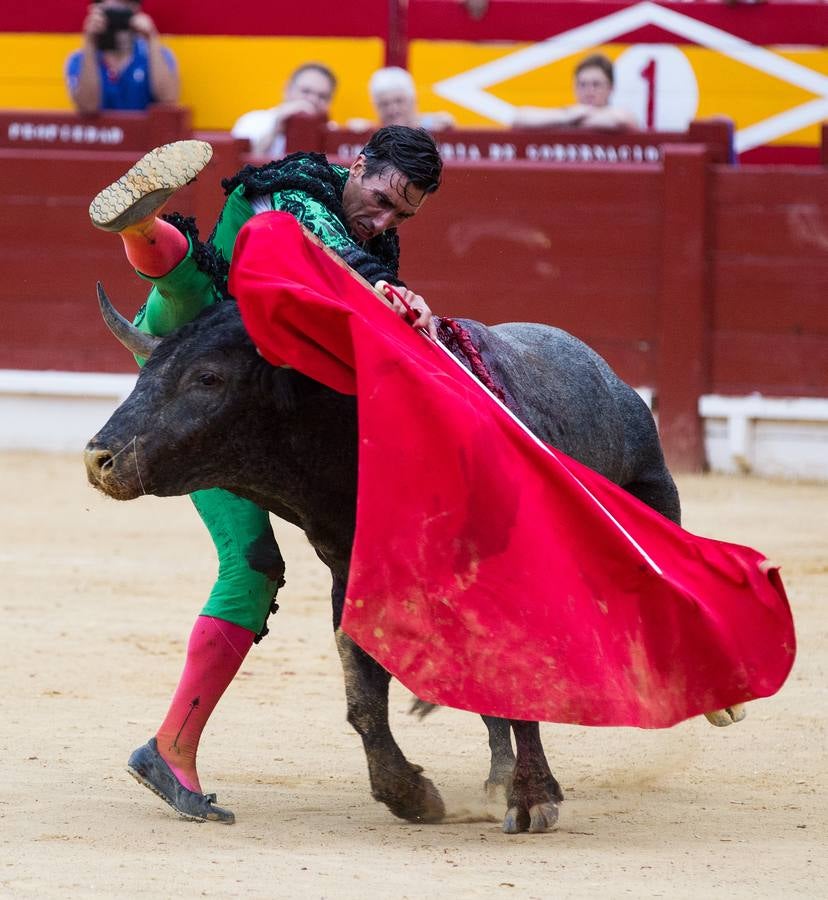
point(130, 205)
point(535, 795)
point(251, 570)
point(502, 764)
point(394, 780)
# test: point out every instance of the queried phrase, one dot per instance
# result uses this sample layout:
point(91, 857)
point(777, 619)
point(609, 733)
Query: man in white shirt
point(310, 90)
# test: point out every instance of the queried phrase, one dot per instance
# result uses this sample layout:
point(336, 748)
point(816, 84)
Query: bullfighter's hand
point(424, 319)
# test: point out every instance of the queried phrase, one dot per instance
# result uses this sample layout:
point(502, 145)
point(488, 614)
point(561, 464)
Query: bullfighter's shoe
point(727, 716)
point(147, 186)
point(147, 766)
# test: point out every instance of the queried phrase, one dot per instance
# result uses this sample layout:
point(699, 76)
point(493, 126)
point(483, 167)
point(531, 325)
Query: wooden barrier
point(51, 255)
point(54, 130)
point(525, 144)
point(768, 261)
point(689, 277)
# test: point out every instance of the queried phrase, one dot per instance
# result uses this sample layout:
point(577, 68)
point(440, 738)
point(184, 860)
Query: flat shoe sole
point(147, 784)
point(147, 186)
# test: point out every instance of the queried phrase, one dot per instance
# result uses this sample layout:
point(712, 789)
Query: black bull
point(207, 411)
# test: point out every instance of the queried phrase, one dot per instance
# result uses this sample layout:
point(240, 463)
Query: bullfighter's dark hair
point(315, 67)
point(597, 61)
point(411, 151)
point(312, 174)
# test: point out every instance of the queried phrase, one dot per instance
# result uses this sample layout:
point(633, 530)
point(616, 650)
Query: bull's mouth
point(116, 473)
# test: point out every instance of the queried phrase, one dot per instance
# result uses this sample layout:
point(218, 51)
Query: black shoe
point(147, 766)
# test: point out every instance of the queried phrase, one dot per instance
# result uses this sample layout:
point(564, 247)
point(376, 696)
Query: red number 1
point(648, 73)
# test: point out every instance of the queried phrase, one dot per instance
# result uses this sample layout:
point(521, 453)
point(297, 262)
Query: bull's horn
point(135, 340)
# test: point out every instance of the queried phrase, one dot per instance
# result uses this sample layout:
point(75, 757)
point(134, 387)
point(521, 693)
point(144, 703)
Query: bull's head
point(187, 410)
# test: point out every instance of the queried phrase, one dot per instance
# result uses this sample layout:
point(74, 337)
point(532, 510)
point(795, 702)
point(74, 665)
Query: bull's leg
point(503, 758)
point(394, 780)
point(535, 795)
point(502, 761)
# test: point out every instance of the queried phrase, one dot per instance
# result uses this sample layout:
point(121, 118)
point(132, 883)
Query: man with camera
point(123, 64)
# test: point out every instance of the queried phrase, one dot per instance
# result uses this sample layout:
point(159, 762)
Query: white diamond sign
point(469, 88)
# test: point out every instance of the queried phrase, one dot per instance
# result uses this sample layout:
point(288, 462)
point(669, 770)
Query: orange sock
point(154, 247)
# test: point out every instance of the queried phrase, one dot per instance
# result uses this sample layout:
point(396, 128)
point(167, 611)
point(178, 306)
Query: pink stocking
point(154, 247)
point(216, 650)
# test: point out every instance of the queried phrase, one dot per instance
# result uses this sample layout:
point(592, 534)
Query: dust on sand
point(97, 602)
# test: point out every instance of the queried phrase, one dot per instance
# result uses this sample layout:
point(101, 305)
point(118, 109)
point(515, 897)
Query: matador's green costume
point(310, 188)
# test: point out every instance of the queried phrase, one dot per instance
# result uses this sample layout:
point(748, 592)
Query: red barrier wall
point(55, 130)
point(688, 277)
point(769, 274)
point(329, 17)
point(530, 144)
point(51, 255)
point(777, 22)
point(581, 258)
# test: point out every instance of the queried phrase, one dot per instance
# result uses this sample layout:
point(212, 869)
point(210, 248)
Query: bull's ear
point(135, 340)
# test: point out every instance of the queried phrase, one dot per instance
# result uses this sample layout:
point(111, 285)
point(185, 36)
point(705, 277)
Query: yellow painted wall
point(726, 87)
point(223, 77)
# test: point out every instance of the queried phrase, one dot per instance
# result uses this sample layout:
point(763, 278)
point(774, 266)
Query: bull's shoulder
point(566, 393)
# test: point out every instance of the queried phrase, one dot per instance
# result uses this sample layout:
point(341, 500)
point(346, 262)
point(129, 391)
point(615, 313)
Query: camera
point(116, 20)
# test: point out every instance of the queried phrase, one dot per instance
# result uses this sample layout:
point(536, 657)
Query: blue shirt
point(131, 88)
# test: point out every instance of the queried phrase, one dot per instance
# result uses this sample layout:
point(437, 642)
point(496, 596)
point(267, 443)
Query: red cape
point(491, 572)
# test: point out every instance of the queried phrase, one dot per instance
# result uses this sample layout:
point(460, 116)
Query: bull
point(208, 411)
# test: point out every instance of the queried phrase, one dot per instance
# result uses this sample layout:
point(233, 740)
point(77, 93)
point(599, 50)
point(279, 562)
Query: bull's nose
point(97, 461)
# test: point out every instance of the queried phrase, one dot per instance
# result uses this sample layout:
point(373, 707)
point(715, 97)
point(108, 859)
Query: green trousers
point(249, 561)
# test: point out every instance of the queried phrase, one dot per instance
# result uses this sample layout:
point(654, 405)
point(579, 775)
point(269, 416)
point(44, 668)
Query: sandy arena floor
point(97, 601)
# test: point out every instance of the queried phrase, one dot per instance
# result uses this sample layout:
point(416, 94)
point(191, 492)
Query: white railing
point(787, 437)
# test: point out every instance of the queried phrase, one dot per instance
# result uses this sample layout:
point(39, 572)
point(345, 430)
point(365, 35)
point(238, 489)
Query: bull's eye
point(209, 379)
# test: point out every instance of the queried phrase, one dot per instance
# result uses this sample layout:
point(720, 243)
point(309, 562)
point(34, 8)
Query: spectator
point(594, 82)
point(395, 101)
point(309, 90)
point(123, 64)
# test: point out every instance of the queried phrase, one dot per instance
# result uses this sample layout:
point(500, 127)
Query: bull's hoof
point(533, 804)
point(727, 716)
point(535, 820)
point(414, 799)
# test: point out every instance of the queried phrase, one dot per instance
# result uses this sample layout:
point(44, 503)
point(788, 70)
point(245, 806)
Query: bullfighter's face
point(375, 203)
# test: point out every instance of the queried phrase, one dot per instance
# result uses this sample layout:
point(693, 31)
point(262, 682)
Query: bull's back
point(570, 397)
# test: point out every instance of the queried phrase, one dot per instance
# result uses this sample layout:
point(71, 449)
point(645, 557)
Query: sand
point(98, 598)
